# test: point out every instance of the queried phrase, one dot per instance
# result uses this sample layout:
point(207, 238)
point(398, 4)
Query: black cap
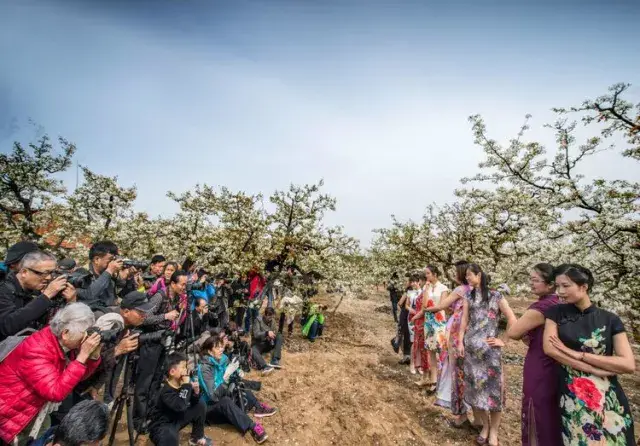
point(16, 252)
point(67, 264)
point(135, 300)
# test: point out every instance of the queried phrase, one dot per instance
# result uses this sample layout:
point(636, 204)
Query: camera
point(148, 277)
point(109, 336)
point(79, 279)
point(164, 337)
point(128, 263)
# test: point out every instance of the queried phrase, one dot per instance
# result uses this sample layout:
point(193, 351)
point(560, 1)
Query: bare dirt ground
point(348, 389)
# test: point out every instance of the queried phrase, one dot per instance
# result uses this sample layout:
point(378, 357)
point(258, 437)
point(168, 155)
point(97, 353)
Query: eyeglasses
point(41, 273)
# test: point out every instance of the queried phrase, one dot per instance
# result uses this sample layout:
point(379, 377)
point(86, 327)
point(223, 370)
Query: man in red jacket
point(45, 368)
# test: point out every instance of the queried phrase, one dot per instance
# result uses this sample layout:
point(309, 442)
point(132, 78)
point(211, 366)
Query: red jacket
point(256, 284)
point(34, 373)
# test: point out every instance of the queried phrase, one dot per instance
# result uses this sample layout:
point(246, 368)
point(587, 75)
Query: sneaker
point(275, 364)
point(204, 441)
point(258, 433)
point(267, 370)
point(262, 410)
point(405, 361)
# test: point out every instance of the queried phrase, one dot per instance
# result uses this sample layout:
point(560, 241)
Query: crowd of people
point(170, 342)
point(571, 393)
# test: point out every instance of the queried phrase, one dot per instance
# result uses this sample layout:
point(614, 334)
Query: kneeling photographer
point(228, 401)
point(29, 293)
point(159, 319)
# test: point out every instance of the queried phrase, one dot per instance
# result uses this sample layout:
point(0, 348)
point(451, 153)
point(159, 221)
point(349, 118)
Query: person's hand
point(461, 350)
point(602, 373)
point(125, 273)
point(55, 286)
point(114, 266)
point(88, 346)
point(495, 342)
point(127, 344)
point(271, 335)
point(93, 392)
point(137, 279)
point(172, 315)
point(559, 345)
point(69, 293)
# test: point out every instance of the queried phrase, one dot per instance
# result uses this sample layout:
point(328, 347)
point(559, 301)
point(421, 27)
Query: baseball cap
point(135, 300)
point(16, 252)
point(67, 264)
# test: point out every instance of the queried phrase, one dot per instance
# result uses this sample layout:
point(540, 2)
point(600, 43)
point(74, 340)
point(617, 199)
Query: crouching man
point(264, 340)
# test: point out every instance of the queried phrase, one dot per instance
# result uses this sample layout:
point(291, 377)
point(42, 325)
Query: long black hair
point(461, 271)
point(484, 281)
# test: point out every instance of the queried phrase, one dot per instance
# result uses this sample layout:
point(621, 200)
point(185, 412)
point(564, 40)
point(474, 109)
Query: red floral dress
point(419, 353)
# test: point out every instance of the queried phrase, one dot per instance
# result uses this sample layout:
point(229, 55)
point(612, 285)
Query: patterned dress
point(484, 389)
point(540, 412)
point(412, 297)
point(434, 323)
point(451, 375)
point(594, 410)
point(419, 353)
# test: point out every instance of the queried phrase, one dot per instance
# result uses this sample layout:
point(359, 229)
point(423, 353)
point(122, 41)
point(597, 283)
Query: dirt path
point(348, 389)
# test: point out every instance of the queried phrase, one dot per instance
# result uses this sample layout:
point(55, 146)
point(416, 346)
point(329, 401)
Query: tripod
point(125, 399)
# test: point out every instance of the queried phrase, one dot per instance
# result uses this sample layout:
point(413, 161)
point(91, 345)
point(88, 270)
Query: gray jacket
point(101, 293)
point(260, 330)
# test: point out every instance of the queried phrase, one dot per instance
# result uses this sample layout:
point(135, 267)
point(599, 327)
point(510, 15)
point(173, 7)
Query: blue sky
point(372, 96)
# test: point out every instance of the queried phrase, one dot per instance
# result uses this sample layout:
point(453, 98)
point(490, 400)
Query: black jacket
point(19, 309)
point(172, 404)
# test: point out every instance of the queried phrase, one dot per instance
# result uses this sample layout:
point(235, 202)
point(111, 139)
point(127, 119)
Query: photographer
point(160, 317)
point(133, 310)
point(202, 318)
point(104, 268)
point(214, 375)
point(238, 301)
point(264, 339)
point(178, 405)
point(221, 303)
point(45, 368)
point(26, 295)
point(156, 267)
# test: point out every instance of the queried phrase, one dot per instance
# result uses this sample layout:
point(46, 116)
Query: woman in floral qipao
point(592, 347)
point(482, 351)
point(434, 323)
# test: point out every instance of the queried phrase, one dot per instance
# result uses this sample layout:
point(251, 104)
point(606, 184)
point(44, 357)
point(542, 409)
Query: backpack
point(11, 342)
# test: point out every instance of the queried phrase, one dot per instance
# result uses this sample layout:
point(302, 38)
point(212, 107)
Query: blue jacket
point(207, 294)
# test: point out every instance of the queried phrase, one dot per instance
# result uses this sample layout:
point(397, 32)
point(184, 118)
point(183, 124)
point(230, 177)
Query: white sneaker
point(267, 370)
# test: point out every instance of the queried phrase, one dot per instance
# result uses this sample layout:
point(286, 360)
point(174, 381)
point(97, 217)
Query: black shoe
point(405, 361)
point(396, 347)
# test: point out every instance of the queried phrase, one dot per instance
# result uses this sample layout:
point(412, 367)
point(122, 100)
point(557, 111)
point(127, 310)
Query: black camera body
point(129, 263)
point(108, 336)
point(79, 279)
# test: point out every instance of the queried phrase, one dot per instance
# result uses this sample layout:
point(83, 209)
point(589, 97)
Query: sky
point(371, 96)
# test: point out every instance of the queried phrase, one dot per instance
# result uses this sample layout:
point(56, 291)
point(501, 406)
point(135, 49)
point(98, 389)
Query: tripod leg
point(132, 437)
point(117, 407)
